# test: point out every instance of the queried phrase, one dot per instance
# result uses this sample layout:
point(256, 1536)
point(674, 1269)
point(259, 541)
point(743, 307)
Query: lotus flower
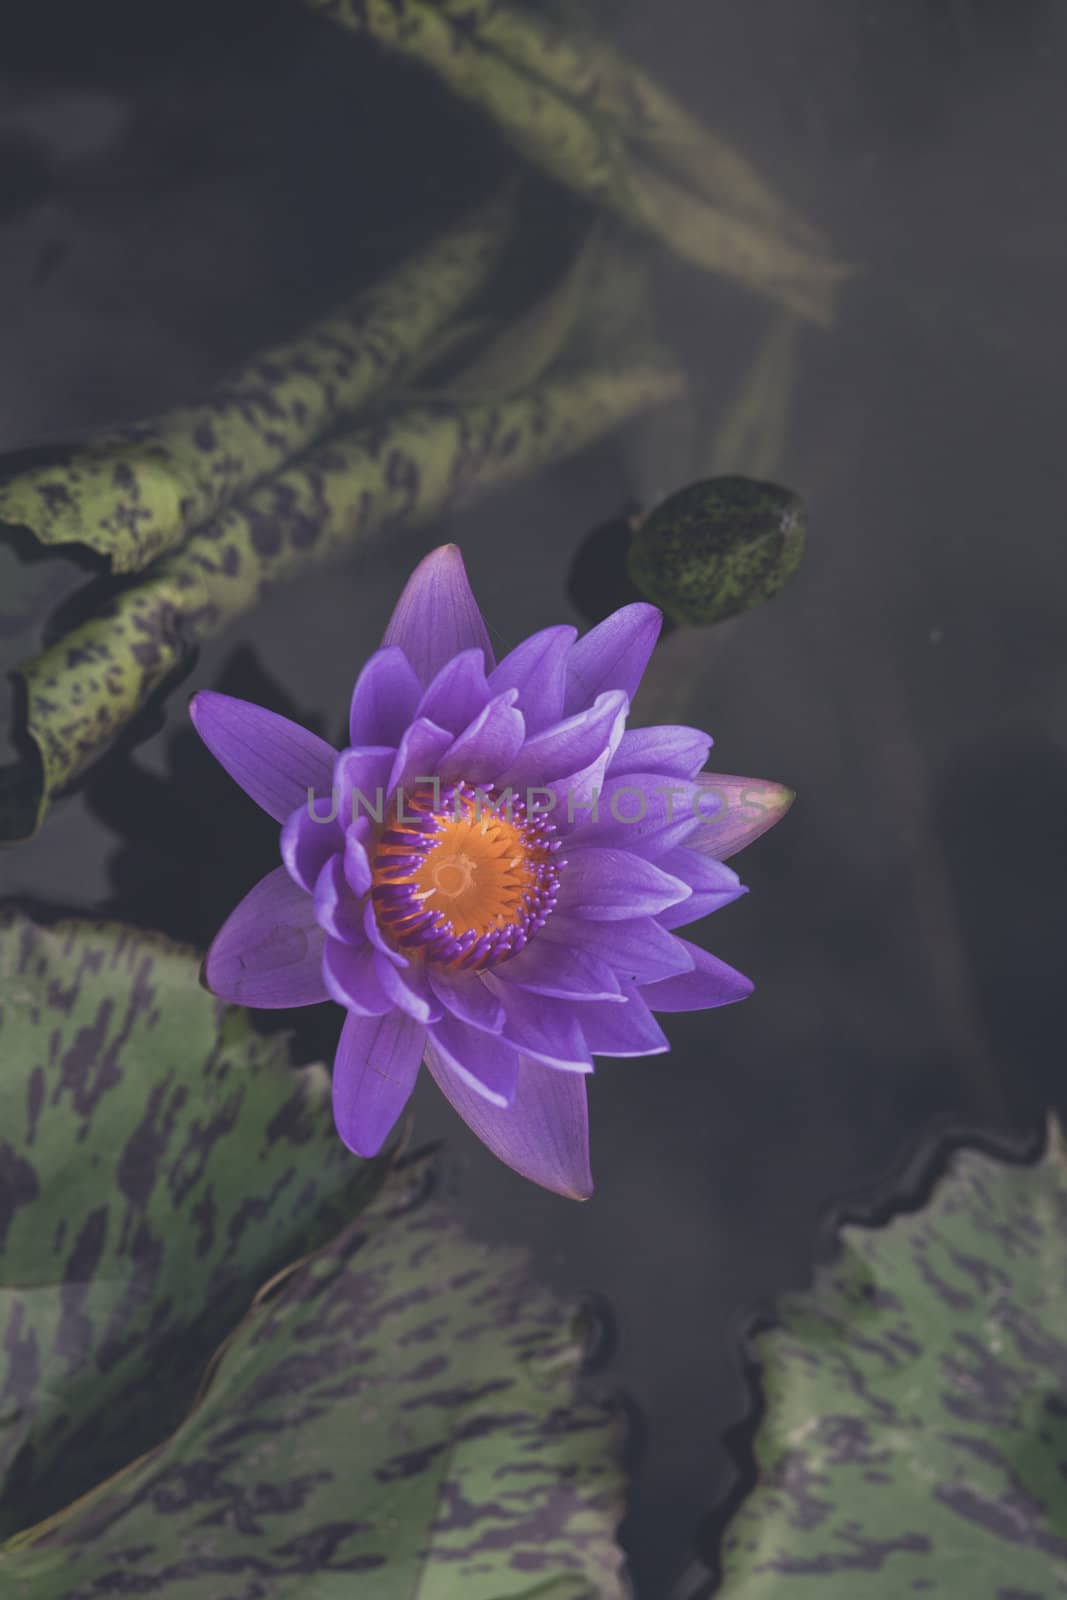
point(488, 877)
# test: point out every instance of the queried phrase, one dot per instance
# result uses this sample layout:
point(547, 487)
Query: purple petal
point(361, 783)
point(356, 860)
point(640, 950)
point(377, 938)
point(613, 655)
point(481, 1061)
point(437, 616)
point(614, 885)
point(573, 799)
point(274, 760)
point(374, 1072)
point(711, 983)
point(549, 1033)
point(543, 1135)
point(307, 845)
point(337, 911)
point(418, 755)
point(457, 694)
point(488, 745)
point(561, 973)
point(268, 952)
point(384, 699)
point(641, 811)
point(714, 886)
point(677, 752)
point(465, 995)
point(408, 990)
point(569, 746)
point(351, 976)
point(537, 668)
point(628, 1030)
point(747, 807)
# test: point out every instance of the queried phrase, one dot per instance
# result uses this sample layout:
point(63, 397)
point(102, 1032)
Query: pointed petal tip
point(776, 799)
point(747, 808)
point(543, 1135)
point(384, 698)
point(441, 560)
point(612, 655)
point(709, 984)
point(636, 612)
point(437, 615)
point(273, 759)
point(360, 1144)
point(268, 952)
point(200, 707)
point(646, 621)
point(743, 987)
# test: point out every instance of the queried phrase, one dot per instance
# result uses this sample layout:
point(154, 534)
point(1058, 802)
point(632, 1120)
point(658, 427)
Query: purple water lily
point(489, 876)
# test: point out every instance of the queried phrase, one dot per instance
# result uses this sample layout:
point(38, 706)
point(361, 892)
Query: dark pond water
point(177, 190)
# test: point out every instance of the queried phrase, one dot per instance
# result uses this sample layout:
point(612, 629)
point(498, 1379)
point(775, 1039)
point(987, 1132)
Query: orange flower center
point(463, 879)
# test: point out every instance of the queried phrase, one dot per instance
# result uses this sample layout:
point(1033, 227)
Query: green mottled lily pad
point(395, 1419)
point(915, 1434)
point(159, 1159)
point(398, 473)
point(136, 493)
point(717, 548)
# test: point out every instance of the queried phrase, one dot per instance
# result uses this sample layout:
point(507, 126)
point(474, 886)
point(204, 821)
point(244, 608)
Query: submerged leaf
point(586, 69)
point(524, 350)
point(139, 491)
point(751, 433)
point(594, 124)
point(708, 236)
point(158, 1160)
point(915, 1433)
point(547, 128)
point(396, 1418)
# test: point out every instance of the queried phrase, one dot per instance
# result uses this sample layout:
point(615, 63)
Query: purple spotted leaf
point(395, 1417)
point(136, 492)
point(914, 1438)
point(159, 1159)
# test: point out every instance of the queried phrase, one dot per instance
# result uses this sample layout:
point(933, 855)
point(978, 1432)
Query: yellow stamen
point(478, 873)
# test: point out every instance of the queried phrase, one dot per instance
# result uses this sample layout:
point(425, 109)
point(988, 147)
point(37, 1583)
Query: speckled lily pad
point(395, 1419)
point(84, 689)
point(717, 548)
point(136, 493)
point(915, 1434)
point(159, 1159)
